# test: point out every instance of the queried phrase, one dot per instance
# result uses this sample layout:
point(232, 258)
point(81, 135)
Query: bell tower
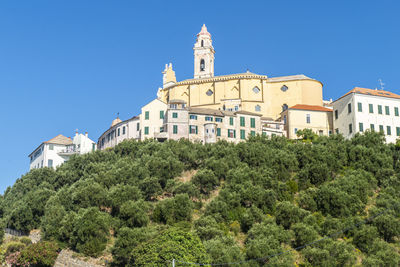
point(203, 55)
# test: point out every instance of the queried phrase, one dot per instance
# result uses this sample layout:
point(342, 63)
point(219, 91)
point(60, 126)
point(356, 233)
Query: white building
point(361, 109)
point(57, 150)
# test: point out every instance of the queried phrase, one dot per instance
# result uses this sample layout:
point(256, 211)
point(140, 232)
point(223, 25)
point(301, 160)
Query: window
point(256, 90)
point(350, 128)
point(257, 108)
point(381, 128)
point(202, 65)
point(379, 109)
point(284, 88)
point(284, 107)
point(146, 130)
point(175, 129)
point(202, 43)
point(387, 110)
point(119, 131)
point(252, 122)
point(161, 129)
point(123, 130)
point(253, 133)
point(231, 133)
point(161, 114)
point(349, 108)
point(308, 118)
point(361, 127)
point(51, 147)
point(174, 115)
point(284, 119)
point(218, 119)
point(321, 132)
point(173, 106)
point(396, 111)
point(50, 163)
point(330, 132)
point(230, 121)
point(398, 131)
point(93, 147)
point(242, 122)
point(137, 126)
point(218, 131)
point(236, 108)
point(372, 127)
point(295, 130)
point(388, 130)
point(336, 114)
point(337, 130)
point(193, 129)
point(209, 118)
point(209, 92)
point(146, 115)
point(371, 108)
point(359, 107)
point(242, 134)
point(193, 117)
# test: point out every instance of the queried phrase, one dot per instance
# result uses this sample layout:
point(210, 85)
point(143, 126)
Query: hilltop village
point(209, 108)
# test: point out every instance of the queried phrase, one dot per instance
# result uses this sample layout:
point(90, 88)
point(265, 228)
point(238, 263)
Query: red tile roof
point(310, 107)
point(366, 91)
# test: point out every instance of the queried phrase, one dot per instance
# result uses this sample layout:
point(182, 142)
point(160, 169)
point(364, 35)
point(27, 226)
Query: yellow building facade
point(237, 92)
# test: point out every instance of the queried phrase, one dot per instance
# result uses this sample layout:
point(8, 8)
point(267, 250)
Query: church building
point(256, 93)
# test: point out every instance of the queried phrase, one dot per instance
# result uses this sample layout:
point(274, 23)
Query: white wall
point(365, 117)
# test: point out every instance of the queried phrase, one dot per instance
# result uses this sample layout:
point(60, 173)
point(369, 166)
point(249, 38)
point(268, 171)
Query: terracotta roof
point(366, 91)
point(267, 119)
point(115, 122)
point(310, 107)
point(177, 101)
point(60, 140)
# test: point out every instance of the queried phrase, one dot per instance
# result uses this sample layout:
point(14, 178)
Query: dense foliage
point(220, 203)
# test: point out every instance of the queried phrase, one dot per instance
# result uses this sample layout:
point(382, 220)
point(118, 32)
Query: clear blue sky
point(75, 64)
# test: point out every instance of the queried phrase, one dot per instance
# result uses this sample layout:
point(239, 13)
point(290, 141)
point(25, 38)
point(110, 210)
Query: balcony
point(70, 150)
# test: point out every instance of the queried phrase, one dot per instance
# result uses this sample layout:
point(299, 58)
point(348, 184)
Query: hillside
point(147, 203)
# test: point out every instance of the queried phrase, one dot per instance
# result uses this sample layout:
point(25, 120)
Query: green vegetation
point(147, 203)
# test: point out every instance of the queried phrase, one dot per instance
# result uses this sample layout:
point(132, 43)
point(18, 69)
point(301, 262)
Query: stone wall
point(66, 259)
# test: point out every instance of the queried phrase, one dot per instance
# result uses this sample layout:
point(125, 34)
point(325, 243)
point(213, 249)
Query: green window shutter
point(372, 127)
point(398, 131)
point(175, 129)
point(253, 133)
point(396, 111)
point(218, 131)
point(371, 108)
point(379, 109)
point(387, 110)
point(388, 130)
point(361, 127)
point(146, 115)
point(196, 129)
point(242, 134)
point(230, 121)
point(161, 114)
point(242, 122)
point(146, 130)
point(381, 128)
point(174, 115)
point(252, 122)
point(359, 107)
point(234, 133)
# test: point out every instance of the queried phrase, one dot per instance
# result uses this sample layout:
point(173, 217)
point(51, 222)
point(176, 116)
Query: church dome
point(115, 122)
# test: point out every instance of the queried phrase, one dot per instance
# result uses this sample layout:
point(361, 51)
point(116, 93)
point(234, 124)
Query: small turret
point(203, 55)
point(169, 77)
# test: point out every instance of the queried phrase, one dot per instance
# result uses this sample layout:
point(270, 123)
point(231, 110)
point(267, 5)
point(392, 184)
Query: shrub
point(42, 254)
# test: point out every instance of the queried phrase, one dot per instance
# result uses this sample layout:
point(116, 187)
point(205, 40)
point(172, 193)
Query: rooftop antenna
point(381, 83)
point(117, 114)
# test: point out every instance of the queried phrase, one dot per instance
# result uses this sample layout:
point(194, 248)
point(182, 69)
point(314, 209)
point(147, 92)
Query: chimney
point(86, 134)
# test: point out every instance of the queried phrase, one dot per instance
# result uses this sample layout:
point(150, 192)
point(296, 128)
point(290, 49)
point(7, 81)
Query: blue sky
point(67, 65)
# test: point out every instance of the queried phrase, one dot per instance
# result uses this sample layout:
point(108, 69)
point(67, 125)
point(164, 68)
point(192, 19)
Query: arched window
point(284, 107)
point(202, 65)
point(202, 43)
